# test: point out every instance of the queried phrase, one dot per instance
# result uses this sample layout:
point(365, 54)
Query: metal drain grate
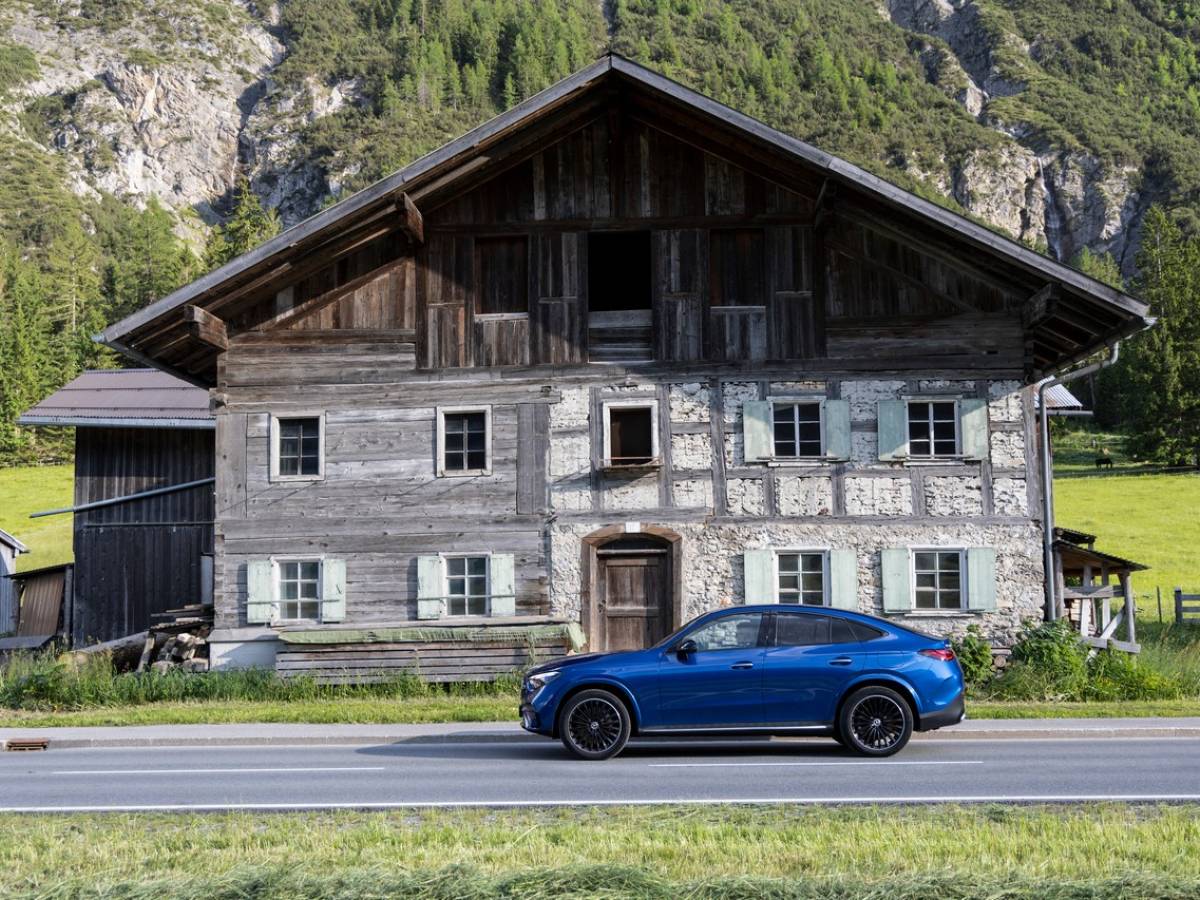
point(24, 744)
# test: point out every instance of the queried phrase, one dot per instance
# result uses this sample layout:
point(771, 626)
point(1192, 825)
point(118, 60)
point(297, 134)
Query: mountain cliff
point(1057, 121)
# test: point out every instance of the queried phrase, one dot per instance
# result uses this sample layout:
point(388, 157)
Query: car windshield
point(674, 636)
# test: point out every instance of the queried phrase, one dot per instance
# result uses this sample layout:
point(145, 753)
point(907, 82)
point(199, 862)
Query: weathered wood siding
point(138, 558)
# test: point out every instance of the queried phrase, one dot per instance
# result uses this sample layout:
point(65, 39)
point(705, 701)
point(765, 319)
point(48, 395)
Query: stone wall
point(713, 576)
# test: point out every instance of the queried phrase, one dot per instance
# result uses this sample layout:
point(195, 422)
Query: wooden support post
point(1130, 608)
point(205, 327)
point(412, 223)
point(1178, 606)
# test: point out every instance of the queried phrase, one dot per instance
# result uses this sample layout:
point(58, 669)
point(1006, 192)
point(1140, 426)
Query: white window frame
point(819, 459)
point(964, 601)
point(276, 582)
point(823, 552)
point(446, 557)
point(608, 406)
point(440, 461)
point(933, 457)
point(275, 438)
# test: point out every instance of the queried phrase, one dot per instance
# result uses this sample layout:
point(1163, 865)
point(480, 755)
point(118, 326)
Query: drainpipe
point(1052, 598)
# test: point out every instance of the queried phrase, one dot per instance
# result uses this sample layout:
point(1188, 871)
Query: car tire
point(594, 725)
point(875, 721)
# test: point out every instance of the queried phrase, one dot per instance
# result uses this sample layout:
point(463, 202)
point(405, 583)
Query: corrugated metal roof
point(130, 398)
point(1058, 397)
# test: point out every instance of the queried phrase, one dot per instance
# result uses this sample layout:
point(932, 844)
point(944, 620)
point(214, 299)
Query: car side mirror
point(686, 648)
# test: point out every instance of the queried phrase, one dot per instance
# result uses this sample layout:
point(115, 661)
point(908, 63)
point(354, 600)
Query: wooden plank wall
point(142, 557)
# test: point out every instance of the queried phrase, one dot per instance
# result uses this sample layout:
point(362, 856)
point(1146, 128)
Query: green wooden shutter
point(893, 430)
point(757, 428)
point(504, 588)
point(760, 576)
point(260, 591)
point(837, 429)
point(897, 580)
point(981, 578)
point(429, 587)
point(973, 419)
point(843, 579)
point(333, 590)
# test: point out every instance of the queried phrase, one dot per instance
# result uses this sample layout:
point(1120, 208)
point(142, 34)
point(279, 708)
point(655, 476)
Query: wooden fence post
point(1178, 606)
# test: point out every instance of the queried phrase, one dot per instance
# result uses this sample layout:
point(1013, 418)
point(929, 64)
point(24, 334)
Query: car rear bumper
point(950, 714)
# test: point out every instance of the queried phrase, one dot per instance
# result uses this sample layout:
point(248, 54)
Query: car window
point(865, 632)
point(843, 632)
point(739, 632)
point(801, 631)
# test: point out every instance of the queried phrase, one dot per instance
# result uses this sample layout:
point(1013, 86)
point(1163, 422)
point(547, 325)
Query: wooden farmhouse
point(617, 357)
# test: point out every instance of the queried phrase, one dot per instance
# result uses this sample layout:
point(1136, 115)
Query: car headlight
point(541, 679)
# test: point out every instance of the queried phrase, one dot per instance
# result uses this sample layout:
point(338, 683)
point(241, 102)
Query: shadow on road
point(645, 749)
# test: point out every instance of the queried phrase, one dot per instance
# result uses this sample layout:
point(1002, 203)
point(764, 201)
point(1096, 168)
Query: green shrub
point(975, 656)
point(1050, 663)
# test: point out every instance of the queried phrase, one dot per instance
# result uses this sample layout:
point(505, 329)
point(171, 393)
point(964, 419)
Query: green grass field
point(1095, 851)
point(1152, 519)
point(28, 489)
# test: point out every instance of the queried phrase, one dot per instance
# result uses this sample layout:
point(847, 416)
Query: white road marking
point(876, 765)
point(218, 771)
point(731, 801)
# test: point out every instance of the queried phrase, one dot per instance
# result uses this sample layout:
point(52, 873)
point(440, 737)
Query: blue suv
point(863, 681)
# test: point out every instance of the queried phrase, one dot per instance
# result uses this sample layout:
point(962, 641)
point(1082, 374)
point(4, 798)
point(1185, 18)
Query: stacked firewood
point(180, 642)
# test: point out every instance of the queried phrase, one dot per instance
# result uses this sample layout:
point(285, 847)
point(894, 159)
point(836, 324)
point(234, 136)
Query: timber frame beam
point(206, 328)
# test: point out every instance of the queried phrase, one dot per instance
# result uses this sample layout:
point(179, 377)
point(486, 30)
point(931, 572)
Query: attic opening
point(620, 294)
point(629, 434)
point(619, 271)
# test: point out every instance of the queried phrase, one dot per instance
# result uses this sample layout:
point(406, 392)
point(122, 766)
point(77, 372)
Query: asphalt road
point(536, 773)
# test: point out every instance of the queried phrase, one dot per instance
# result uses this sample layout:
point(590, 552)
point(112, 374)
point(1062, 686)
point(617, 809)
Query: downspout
point(1052, 598)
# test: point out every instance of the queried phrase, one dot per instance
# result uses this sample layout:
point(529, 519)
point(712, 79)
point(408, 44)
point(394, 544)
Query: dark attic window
point(618, 271)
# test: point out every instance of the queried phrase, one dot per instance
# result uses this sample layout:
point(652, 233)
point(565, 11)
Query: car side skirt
point(744, 729)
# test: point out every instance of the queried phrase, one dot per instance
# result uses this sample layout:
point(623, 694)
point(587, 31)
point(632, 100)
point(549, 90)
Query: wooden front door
point(634, 600)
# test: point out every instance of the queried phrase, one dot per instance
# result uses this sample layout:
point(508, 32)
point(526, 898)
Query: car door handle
point(742, 665)
point(841, 661)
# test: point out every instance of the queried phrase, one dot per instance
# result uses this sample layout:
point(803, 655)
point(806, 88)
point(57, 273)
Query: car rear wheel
point(594, 725)
point(875, 721)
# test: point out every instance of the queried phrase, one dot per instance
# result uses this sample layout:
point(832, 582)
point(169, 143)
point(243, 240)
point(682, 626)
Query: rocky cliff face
point(1060, 201)
point(136, 120)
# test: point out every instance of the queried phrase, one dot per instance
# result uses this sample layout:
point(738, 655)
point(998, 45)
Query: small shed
point(1088, 583)
point(10, 549)
point(144, 502)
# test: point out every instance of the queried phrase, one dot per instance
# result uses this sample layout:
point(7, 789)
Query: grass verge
point(1087, 851)
point(357, 711)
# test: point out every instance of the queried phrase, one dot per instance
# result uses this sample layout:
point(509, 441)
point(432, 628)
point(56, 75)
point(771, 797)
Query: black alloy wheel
point(594, 725)
point(875, 721)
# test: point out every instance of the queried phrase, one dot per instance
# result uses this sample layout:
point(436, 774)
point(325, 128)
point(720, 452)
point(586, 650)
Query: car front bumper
point(950, 714)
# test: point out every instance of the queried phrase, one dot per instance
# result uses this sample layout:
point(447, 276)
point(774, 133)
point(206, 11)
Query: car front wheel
point(594, 725)
point(875, 721)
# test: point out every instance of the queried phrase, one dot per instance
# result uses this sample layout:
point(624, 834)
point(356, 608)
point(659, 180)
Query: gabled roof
point(1085, 314)
point(10, 541)
point(124, 398)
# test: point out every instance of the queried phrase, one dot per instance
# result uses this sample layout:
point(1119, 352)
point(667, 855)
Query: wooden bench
point(1187, 606)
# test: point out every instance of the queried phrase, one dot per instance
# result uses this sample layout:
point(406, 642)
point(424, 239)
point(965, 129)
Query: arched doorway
point(631, 587)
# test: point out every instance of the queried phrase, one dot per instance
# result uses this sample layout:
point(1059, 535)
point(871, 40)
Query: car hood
point(567, 662)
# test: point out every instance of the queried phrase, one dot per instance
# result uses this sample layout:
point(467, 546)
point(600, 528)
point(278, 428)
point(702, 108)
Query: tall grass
point(43, 682)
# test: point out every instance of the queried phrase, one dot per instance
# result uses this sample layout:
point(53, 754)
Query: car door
point(809, 661)
point(719, 685)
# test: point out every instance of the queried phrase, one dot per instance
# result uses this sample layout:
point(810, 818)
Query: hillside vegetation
point(125, 126)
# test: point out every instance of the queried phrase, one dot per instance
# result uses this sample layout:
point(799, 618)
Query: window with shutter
point(429, 587)
point(837, 429)
point(897, 583)
point(260, 592)
point(981, 578)
point(757, 434)
point(843, 579)
point(892, 428)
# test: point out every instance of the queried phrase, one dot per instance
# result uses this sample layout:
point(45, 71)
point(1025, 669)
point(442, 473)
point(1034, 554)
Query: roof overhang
point(123, 398)
point(1069, 315)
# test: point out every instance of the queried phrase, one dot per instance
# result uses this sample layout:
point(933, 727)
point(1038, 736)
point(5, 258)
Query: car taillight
point(945, 654)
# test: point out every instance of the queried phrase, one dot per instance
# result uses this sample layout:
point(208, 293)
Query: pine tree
point(149, 262)
point(247, 226)
point(25, 357)
point(1162, 366)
